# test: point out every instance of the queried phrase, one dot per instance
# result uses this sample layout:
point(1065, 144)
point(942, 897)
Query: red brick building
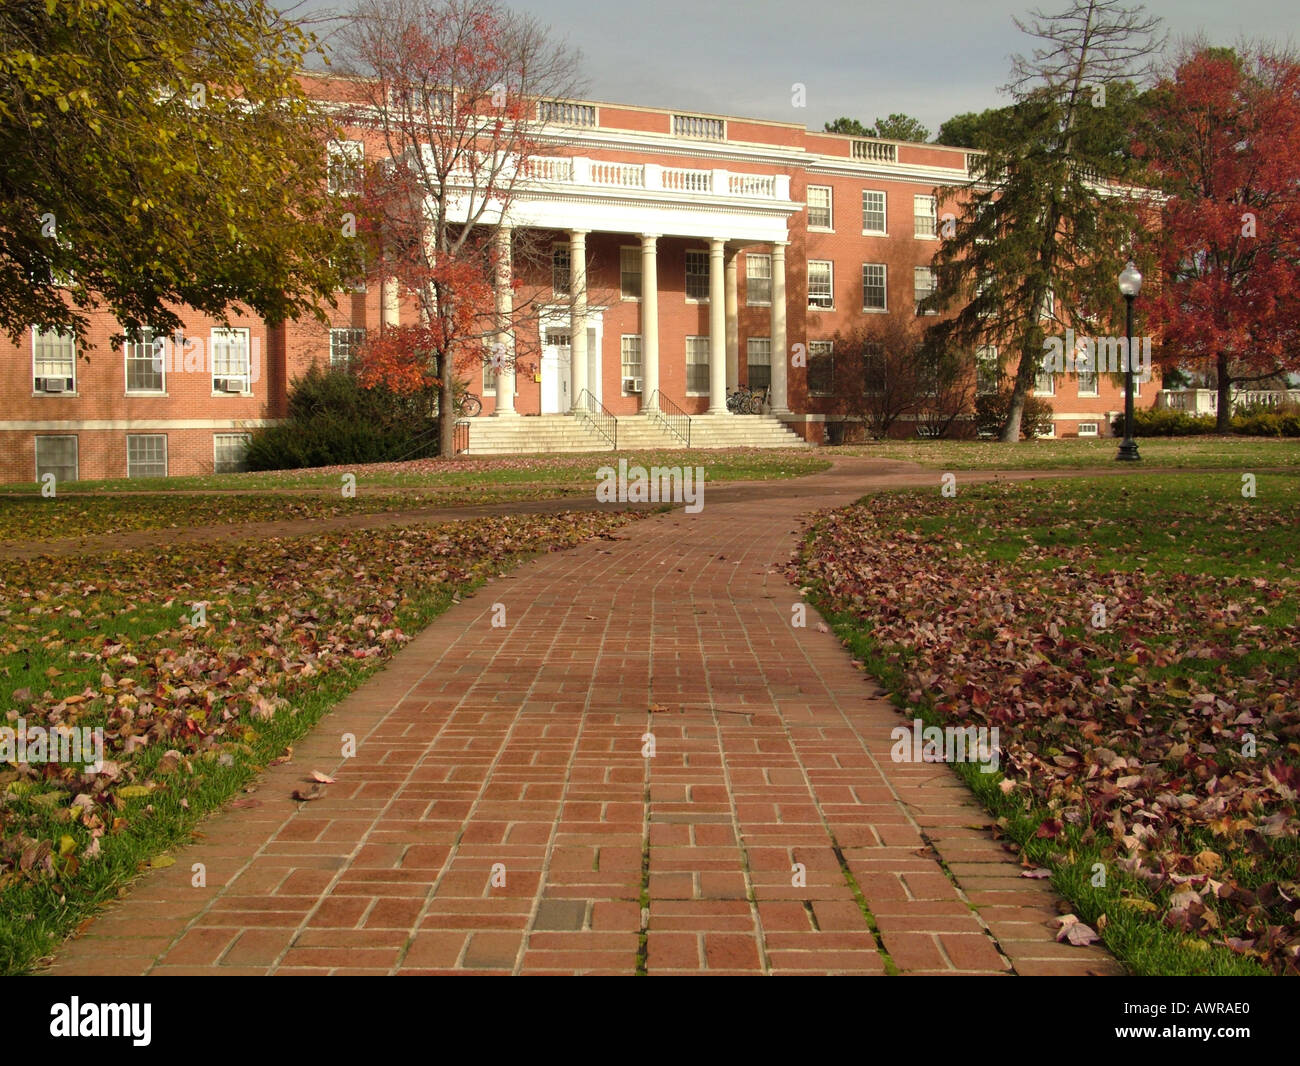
point(689, 253)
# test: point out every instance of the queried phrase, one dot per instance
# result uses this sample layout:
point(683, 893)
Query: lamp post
point(1130, 284)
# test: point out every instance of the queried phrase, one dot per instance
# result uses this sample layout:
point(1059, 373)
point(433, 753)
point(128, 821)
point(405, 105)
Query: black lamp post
point(1130, 284)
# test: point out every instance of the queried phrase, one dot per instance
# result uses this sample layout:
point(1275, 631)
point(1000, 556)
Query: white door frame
point(558, 318)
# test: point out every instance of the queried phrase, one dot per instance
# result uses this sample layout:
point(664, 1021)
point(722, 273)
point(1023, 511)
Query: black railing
point(674, 419)
point(592, 411)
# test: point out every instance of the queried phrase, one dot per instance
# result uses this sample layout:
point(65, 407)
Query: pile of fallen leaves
point(1170, 736)
point(277, 617)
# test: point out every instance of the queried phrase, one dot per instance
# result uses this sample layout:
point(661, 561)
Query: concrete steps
point(563, 433)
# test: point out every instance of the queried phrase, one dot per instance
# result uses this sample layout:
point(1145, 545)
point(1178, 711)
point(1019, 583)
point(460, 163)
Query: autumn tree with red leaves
point(450, 88)
point(1223, 134)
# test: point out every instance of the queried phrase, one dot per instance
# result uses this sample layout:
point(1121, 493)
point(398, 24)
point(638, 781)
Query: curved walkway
point(503, 814)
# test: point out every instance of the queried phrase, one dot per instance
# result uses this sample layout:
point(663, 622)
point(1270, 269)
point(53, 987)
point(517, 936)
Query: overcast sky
point(927, 58)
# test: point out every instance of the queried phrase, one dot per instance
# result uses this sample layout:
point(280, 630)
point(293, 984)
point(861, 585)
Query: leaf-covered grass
point(1136, 644)
point(1225, 453)
point(191, 712)
point(476, 475)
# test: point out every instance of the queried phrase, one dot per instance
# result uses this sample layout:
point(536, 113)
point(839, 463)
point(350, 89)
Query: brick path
point(520, 749)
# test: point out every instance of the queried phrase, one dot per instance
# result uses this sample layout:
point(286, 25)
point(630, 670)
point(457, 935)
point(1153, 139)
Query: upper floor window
point(346, 162)
point(146, 371)
point(925, 216)
point(873, 211)
point(819, 207)
point(758, 278)
point(629, 273)
point(231, 361)
point(873, 287)
point(344, 343)
point(924, 284)
point(697, 274)
point(561, 270)
point(54, 361)
point(821, 284)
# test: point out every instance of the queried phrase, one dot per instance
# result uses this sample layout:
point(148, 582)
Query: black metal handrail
point(677, 421)
point(601, 418)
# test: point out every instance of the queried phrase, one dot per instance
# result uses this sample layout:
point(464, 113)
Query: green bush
point(1267, 423)
point(1162, 422)
point(333, 420)
point(991, 409)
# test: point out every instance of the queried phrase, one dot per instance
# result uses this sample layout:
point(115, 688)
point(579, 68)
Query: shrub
point(992, 408)
point(334, 420)
point(1267, 423)
point(1162, 422)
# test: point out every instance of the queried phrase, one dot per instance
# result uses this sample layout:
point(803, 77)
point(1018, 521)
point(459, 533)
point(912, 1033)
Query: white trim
point(884, 212)
point(70, 392)
point(142, 425)
point(830, 208)
point(76, 448)
point(165, 453)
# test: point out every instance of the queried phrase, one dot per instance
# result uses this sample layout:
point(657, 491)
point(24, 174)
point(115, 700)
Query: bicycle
point(745, 401)
point(469, 406)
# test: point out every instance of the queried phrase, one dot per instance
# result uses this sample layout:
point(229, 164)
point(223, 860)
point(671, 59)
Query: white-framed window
point(983, 285)
point(923, 284)
point(146, 370)
point(873, 212)
point(228, 452)
point(1087, 429)
point(54, 361)
point(346, 162)
point(925, 218)
point(874, 287)
point(873, 367)
point(489, 377)
point(631, 368)
point(758, 358)
point(231, 362)
point(344, 343)
point(820, 215)
point(821, 368)
point(561, 270)
point(1137, 383)
point(146, 455)
point(1045, 383)
point(697, 366)
point(1050, 432)
point(821, 284)
point(1048, 310)
point(1089, 382)
point(629, 272)
point(697, 274)
point(758, 279)
point(57, 456)
point(987, 369)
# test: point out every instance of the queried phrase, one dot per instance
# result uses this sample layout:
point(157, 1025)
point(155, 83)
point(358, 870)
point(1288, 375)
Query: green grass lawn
point(473, 476)
point(1228, 453)
point(1136, 643)
point(191, 712)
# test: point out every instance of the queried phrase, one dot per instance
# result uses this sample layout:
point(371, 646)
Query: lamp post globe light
point(1130, 284)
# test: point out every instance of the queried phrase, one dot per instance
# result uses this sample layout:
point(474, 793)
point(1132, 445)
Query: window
point(231, 370)
point(987, 370)
point(821, 368)
point(561, 270)
point(758, 279)
point(1050, 431)
point(1045, 383)
point(873, 367)
point(1089, 381)
point(146, 455)
point(821, 284)
point(145, 365)
point(346, 160)
point(925, 216)
point(758, 358)
point(1087, 429)
point(343, 346)
point(923, 284)
point(697, 366)
point(1048, 310)
point(873, 287)
point(631, 369)
point(57, 456)
point(489, 376)
point(873, 211)
point(629, 273)
point(697, 274)
point(819, 207)
point(228, 451)
point(54, 361)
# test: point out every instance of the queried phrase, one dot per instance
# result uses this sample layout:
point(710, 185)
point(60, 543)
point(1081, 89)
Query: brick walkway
point(519, 750)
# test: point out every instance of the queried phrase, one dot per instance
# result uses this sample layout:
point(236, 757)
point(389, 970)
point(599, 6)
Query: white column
point(505, 370)
point(649, 319)
point(717, 328)
point(733, 322)
point(390, 307)
point(780, 346)
point(577, 314)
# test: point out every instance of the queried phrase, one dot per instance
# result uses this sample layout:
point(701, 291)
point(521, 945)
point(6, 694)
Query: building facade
point(689, 253)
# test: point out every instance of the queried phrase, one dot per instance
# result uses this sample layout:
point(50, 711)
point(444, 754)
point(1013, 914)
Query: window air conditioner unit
point(52, 384)
point(229, 385)
point(632, 384)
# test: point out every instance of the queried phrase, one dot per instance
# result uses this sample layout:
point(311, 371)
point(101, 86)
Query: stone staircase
point(564, 433)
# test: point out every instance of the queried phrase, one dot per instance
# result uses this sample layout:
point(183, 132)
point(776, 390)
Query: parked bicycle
point(746, 401)
point(470, 406)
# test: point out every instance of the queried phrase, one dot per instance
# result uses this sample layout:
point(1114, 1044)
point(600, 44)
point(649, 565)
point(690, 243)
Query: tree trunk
point(1011, 431)
point(446, 415)
point(1223, 418)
